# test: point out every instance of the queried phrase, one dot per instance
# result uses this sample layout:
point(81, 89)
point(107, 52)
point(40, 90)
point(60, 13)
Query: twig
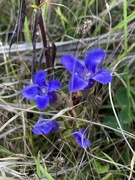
point(19, 23)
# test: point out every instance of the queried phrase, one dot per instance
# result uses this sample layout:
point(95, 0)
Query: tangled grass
point(106, 111)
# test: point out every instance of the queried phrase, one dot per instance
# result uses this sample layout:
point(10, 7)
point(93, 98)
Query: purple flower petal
point(103, 76)
point(40, 91)
point(81, 138)
point(76, 83)
point(85, 143)
point(44, 126)
point(52, 96)
point(84, 74)
point(72, 64)
point(79, 133)
point(30, 91)
point(76, 134)
point(40, 78)
point(83, 131)
point(90, 83)
point(53, 85)
point(42, 102)
point(93, 59)
point(55, 125)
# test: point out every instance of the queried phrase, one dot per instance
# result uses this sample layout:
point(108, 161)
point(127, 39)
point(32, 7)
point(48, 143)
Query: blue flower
point(44, 126)
point(84, 73)
point(81, 138)
point(41, 91)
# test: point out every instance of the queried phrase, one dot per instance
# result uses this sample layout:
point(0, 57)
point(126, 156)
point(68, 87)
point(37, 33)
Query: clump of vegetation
point(67, 89)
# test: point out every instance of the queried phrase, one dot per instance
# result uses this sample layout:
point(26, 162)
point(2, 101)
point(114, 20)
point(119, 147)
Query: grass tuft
point(107, 113)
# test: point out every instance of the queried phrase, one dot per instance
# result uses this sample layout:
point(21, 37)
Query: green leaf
point(40, 169)
point(111, 122)
point(124, 116)
point(130, 18)
point(67, 133)
point(45, 173)
point(121, 96)
point(62, 17)
point(27, 31)
point(101, 168)
point(132, 89)
point(5, 151)
point(108, 177)
point(38, 165)
point(108, 157)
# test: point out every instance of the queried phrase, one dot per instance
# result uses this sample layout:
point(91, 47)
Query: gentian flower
point(41, 91)
point(85, 73)
point(44, 126)
point(81, 138)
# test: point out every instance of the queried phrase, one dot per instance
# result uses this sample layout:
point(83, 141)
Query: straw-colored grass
point(107, 112)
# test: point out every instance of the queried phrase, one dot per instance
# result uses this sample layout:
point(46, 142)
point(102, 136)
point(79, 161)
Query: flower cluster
point(41, 91)
point(84, 74)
